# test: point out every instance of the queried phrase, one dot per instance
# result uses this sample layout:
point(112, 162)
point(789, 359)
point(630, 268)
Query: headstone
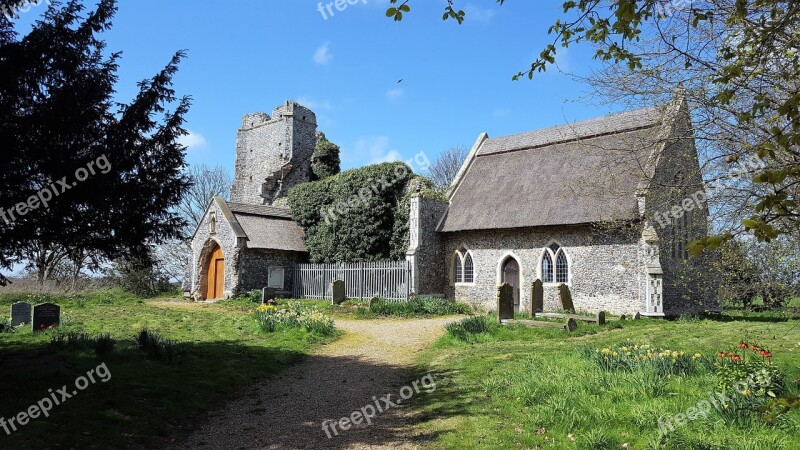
point(601, 318)
point(20, 314)
point(267, 295)
point(566, 298)
point(637, 316)
point(505, 302)
point(537, 297)
point(571, 325)
point(337, 290)
point(623, 317)
point(46, 315)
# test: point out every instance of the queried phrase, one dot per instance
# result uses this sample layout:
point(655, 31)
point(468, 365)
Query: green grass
point(517, 387)
point(148, 400)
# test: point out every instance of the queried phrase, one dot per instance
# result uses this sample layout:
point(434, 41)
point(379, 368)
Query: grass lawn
point(145, 402)
point(517, 387)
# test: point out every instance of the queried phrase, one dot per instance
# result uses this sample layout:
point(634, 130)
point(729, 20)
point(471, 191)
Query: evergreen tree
point(82, 172)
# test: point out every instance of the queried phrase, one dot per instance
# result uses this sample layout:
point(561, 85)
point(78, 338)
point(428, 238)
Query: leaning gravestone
point(337, 290)
point(566, 298)
point(20, 314)
point(46, 315)
point(505, 302)
point(537, 297)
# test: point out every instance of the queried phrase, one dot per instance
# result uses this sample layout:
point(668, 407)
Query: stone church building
point(574, 204)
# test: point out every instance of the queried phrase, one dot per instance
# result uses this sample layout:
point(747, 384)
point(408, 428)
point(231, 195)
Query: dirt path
point(374, 358)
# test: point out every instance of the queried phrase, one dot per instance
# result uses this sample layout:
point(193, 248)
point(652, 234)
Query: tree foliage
point(58, 115)
point(741, 59)
point(357, 215)
point(325, 161)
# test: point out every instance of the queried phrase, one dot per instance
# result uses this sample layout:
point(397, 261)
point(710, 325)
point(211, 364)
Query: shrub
point(159, 348)
point(467, 329)
point(295, 315)
point(418, 306)
point(5, 325)
point(357, 215)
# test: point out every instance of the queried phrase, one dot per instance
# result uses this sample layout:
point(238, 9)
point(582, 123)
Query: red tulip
point(742, 345)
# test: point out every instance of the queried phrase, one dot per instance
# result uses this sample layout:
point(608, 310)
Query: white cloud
point(376, 149)
point(323, 54)
point(479, 14)
point(313, 104)
point(500, 113)
point(395, 93)
point(193, 140)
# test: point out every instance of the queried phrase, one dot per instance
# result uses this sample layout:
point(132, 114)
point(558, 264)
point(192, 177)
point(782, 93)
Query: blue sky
point(251, 55)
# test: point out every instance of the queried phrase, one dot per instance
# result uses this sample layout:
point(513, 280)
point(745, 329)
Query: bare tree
point(207, 182)
point(444, 170)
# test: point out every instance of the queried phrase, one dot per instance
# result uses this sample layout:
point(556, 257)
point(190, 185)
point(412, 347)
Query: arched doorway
point(215, 274)
point(509, 273)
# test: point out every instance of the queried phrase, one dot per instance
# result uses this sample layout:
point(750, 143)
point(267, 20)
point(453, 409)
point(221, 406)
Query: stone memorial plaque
point(338, 292)
point(46, 315)
point(505, 302)
point(20, 314)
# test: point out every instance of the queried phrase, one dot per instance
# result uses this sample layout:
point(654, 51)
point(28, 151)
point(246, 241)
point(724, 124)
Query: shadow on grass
point(219, 395)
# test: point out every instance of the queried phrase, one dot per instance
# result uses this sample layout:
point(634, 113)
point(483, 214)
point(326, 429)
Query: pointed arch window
point(463, 266)
point(558, 272)
point(547, 268)
point(213, 224)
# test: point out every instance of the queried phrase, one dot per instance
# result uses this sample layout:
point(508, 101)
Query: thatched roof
point(266, 227)
point(585, 172)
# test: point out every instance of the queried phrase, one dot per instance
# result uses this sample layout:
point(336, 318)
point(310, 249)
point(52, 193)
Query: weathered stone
point(637, 316)
point(505, 302)
point(338, 295)
point(601, 318)
point(571, 325)
point(566, 298)
point(537, 297)
point(20, 314)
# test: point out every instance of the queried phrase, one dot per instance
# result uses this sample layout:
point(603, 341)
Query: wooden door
point(215, 278)
point(219, 282)
point(511, 276)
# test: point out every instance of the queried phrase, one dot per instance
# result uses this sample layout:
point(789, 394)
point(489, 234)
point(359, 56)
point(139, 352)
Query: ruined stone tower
point(273, 154)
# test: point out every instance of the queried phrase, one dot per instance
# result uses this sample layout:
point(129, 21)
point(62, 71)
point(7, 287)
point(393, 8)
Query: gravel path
point(374, 358)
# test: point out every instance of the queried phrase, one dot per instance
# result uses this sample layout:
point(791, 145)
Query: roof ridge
point(570, 140)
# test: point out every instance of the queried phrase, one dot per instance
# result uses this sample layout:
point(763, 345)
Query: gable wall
point(604, 266)
point(201, 245)
point(688, 285)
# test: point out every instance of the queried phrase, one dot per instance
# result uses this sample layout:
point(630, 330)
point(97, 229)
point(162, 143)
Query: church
point(573, 204)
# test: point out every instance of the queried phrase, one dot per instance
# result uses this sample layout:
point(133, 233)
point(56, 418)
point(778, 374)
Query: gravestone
point(505, 302)
point(337, 292)
point(537, 297)
point(637, 316)
point(601, 318)
point(267, 295)
point(566, 298)
point(46, 315)
point(20, 314)
point(571, 325)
